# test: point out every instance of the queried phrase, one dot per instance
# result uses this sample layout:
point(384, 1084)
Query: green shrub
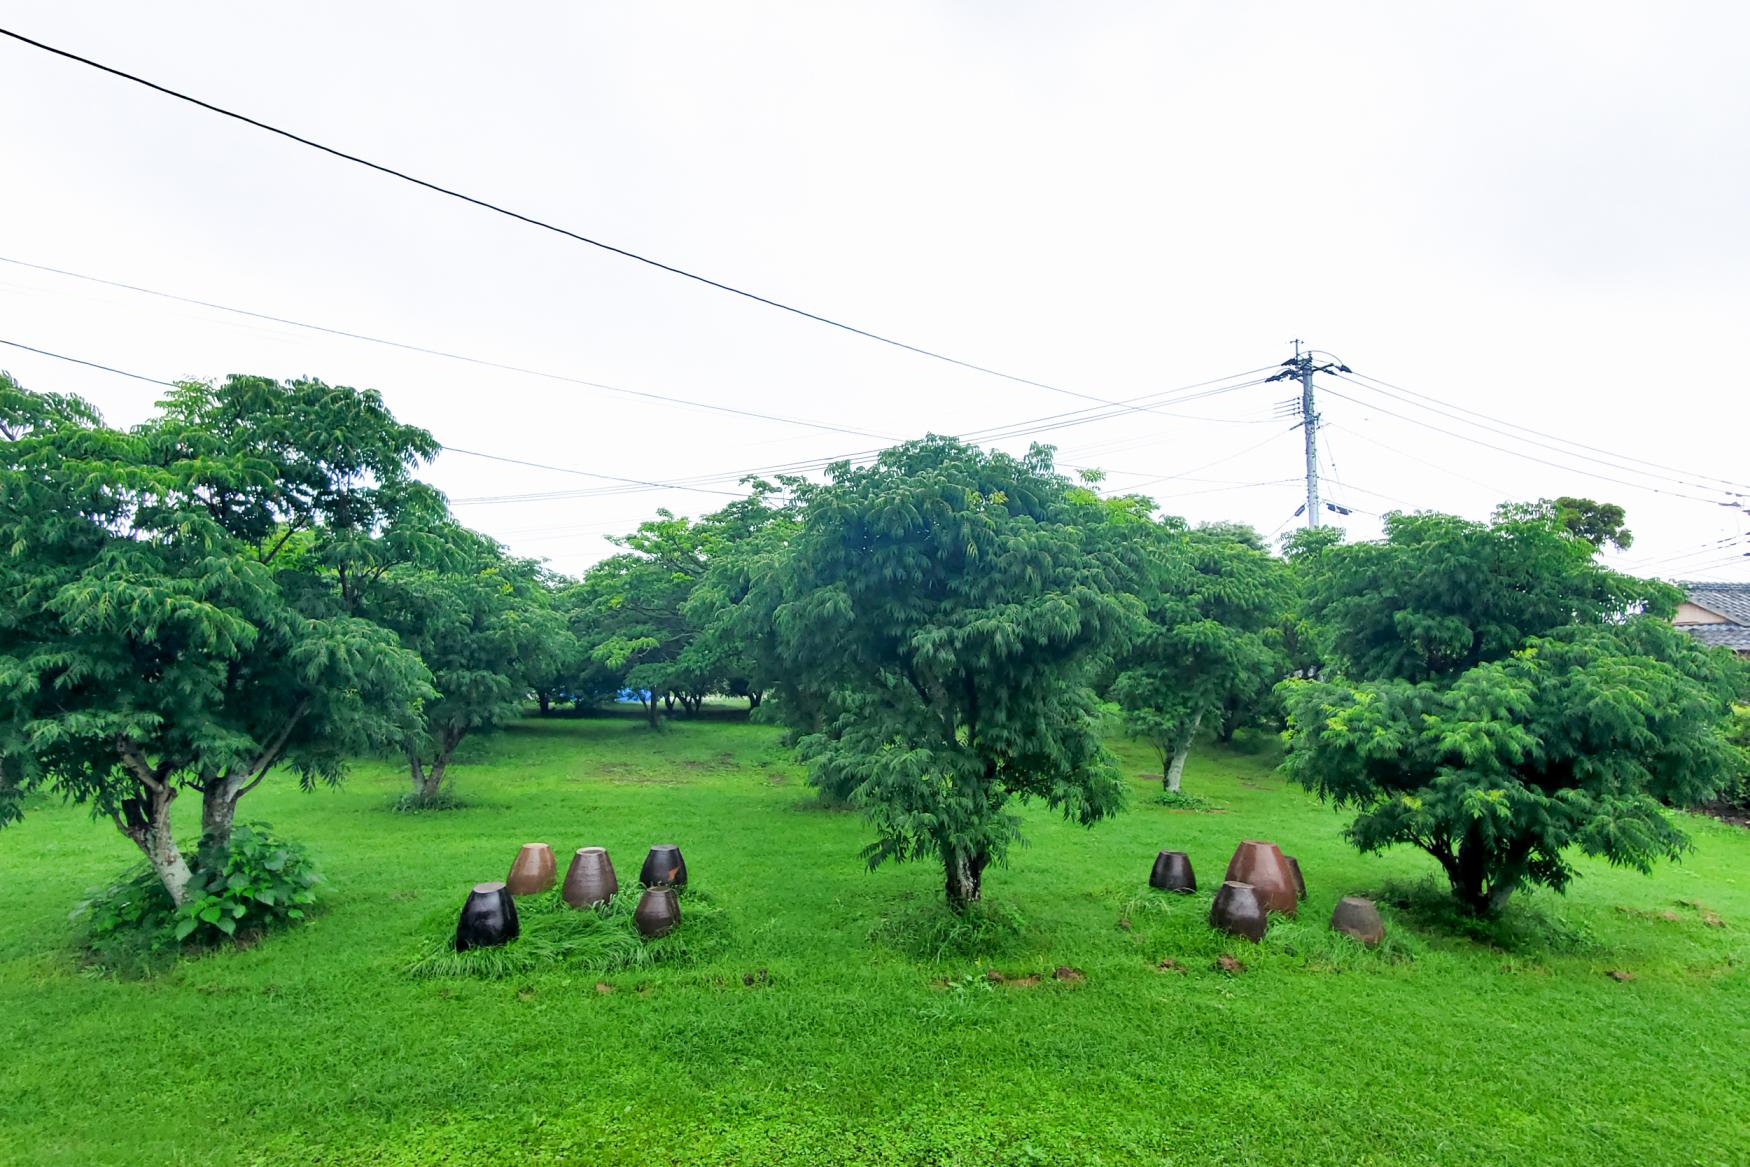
point(261, 881)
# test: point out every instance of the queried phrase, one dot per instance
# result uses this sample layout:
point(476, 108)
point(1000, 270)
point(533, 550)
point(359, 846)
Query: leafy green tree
point(1505, 700)
point(940, 615)
point(1598, 523)
point(484, 625)
point(1213, 598)
point(155, 634)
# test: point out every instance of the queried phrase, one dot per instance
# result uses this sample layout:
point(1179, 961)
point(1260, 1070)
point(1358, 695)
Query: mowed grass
point(874, 1035)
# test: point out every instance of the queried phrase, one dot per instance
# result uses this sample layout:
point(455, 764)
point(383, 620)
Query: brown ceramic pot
point(1356, 916)
point(590, 879)
point(488, 918)
point(664, 865)
point(1172, 872)
point(1261, 864)
point(1237, 909)
point(533, 870)
point(659, 910)
point(1294, 870)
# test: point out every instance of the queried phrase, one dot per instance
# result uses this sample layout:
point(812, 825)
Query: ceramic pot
point(664, 865)
point(590, 879)
point(1237, 909)
point(1294, 870)
point(488, 918)
point(532, 870)
point(1261, 864)
point(1172, 872)
point(1357, 917)
point(658, 911)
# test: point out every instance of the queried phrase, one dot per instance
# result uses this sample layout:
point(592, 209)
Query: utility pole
point(1303, 365)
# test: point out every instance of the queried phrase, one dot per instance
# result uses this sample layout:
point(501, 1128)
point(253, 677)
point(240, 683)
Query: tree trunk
point(1181, 750)
point(964, 877)
point(649, 704)
point(146, 820)
point(753, 699)
point(219, 798)
point(668, 701)
point(545, 700)
point(428, 780)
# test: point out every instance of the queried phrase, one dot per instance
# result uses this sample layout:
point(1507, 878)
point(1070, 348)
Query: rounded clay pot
point(1237, 909)
point(658, 911)
point(664, 865)
point(1172, 872)
point(1294, 870)
point(533, 870)
point(1356, 916)
point(1261, 864)
point(488, 918)
point(590, 879)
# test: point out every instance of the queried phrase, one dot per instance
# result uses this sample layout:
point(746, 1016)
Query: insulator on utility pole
point(1303, 366)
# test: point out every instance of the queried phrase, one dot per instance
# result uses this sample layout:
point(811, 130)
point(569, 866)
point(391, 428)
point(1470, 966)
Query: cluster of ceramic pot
point(489, 917)
point(1259, 880)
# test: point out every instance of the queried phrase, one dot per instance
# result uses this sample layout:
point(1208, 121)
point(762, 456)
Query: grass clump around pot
point(601, 939)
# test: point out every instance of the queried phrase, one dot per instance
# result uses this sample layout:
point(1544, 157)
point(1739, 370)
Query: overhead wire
point(542, 224)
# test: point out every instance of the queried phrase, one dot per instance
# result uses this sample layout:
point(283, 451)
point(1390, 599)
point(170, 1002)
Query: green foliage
point(1440, 594)
point(1497, 758)
point(1213, 600)
point(1598, 523)
point(483, 623)
point(1736, 793)
point(177, 601)
point(940, 614)
point(1179, 800)
point(260, 881)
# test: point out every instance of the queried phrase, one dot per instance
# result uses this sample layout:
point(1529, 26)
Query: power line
point(1520, 454)
point(543, 224)
point(1532, 442)
point(1127, 405)
point(1553, 437)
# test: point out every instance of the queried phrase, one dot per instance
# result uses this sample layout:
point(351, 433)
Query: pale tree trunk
point(221, 793)
point(1181, 750)
point(145, 818)
point(964, 877)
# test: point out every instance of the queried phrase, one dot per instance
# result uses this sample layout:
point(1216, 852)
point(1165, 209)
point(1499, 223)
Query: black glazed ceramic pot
point(664, 865)
point(1172, 872)
point(488, 918)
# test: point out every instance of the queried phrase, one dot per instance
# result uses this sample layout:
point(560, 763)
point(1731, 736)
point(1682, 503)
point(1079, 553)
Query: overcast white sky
point(1534, 211)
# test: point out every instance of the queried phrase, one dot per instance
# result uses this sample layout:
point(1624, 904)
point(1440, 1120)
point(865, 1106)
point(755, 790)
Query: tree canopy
point(1504, 699)
point(940, 614)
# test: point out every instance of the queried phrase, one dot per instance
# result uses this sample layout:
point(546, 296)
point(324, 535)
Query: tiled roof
point(1732, 636)
point(1731, 600)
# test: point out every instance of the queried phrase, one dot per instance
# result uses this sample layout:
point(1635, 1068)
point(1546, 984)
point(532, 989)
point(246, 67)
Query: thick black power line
point(542, 223)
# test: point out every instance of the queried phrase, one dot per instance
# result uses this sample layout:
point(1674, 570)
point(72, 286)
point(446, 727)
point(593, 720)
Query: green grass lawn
point(874, 1036)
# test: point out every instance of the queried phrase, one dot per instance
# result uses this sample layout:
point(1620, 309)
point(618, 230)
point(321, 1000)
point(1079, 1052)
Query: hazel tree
point(941, 614)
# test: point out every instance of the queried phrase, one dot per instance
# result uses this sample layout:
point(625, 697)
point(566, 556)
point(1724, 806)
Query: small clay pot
point(1294, 870)
point(664, 865)
point(533, 870)
point(1172, 872)
point(590, 879)
point(658, 912)
point(488, 918)
point(1261, 864)
point(1356, 916)
point(1237, 909)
